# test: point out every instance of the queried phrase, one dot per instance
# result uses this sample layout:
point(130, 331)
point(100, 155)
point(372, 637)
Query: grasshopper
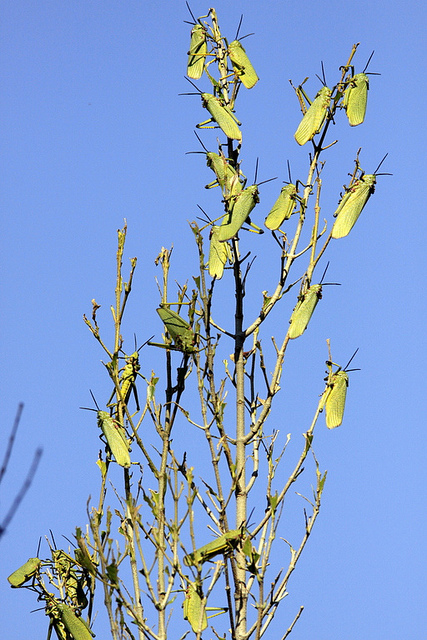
point(336, 392)
point(219, 253)
point(179, 329)
point(197, 53)
point(223, 544)
point(222, 115)
point(353, 201)
point(304, 309)
point(24, 573)
point(242, 65)
point(116, 438)
point(315, 116)
point(194, 610)
point(356, 96)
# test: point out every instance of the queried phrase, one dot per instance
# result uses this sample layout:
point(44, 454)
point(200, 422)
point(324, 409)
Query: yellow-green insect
point(179, 329)
point(222, 545)
point(74, 625)
point(351, 204)
point(194, 611)
point(240, 207)
point(219, 253)
point(116, 438)
point(197, 53)
point(282, 208)
point(227, 176)
point(356, 96)
point(222, 115)
point(315, 116)
point(25, 572)
point(242, 65)
point(336, 394)
point(304, 309)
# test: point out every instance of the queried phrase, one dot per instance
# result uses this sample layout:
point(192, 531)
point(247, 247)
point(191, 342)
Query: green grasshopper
point(222, 115)
point(336, 392)
point(356, 96)
point(75, 626)
point(24, 573)
point(284, 205)
point(239, 207)
point(198, 52)
point(194, 611)
point(128, 379)
point(224, 544)
point(219, 253)
point(304, 309)
point(242, 65)
point(66, 569)
point(227, 176)
point(315, 116)
point(179, 329)
point(353, 201)
point(116, 438)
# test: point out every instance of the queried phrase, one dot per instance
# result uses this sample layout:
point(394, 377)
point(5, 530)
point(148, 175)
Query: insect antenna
point(382, 174)
point(191, 14)
point(323, 79)
point(238, 28)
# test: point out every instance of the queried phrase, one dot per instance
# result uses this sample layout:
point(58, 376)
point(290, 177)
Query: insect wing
point(355, 99)
point(179, 329)
point(219, 545)
point(351, 205)
point(197, 53)
point(282, 208)
point(242, 65)
point(194, 612)
point(240, 209)
point(116, 438)
point(24, 573)
point(222, 115)
point(303, 311)
point(313, 120)
point(219, 253)
point(74, 625)
point(335, 401)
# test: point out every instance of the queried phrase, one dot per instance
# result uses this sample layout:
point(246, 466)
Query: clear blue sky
point(93, 131)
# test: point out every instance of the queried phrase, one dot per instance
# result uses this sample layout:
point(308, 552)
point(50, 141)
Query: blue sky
point(94, 131)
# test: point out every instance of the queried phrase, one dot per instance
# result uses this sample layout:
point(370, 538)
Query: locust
point(179, 329)
point(242, 65)
point(219, 253)
point(356, 96)
point(222, 115)
point(197, 53)
point(194, 610)
point(222, 545)
point(315, 116)
point(115, 435)
point(24, 573)
point(353, 201)
point(336, 393)
point(304, 309)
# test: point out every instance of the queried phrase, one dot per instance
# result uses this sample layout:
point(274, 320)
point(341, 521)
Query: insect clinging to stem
point(353, 201)
point(284, 205)
point(356, 95)
point(312, 121)
point(336, 392)
point(115, 434)
point(304, 309)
